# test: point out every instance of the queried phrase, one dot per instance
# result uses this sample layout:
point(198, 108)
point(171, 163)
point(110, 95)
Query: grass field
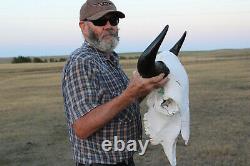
point(33, 128)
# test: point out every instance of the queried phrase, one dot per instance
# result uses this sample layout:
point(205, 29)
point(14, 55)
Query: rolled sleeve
point(81, 88)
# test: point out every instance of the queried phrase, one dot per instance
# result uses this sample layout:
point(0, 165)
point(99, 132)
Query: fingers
point(162, 82)
point(136, 74)
point(159, 79)
point(156, 79)
point(142, 86)
point(153, 80)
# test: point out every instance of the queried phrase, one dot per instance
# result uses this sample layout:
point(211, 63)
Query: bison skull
point(168, 107)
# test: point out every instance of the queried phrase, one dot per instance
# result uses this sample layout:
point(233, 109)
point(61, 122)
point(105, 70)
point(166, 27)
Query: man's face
point(103, 33)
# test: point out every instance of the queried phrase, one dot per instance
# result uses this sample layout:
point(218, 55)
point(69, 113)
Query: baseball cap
point(95, 9)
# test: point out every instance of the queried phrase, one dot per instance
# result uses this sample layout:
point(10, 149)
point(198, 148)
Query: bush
point(37, 60)
point(21, 59)
point(52, 60)
point(123, 57)
point(62, 59)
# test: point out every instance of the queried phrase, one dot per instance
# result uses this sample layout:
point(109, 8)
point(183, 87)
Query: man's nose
point(108, 25)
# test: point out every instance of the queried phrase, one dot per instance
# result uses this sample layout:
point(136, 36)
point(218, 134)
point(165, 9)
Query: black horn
point(176, 49)
point(146, 66)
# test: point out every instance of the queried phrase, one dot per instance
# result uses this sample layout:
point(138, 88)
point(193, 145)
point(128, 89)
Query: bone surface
point(168, 107)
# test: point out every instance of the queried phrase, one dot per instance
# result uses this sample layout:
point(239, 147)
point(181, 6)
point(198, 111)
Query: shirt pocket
point(112, 83)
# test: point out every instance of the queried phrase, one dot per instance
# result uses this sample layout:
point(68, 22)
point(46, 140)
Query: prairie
point(33, 128)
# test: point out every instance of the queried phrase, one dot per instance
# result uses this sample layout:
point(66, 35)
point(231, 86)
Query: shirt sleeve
point(81, 88)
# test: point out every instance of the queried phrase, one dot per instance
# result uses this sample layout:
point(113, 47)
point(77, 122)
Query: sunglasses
point(103, 21)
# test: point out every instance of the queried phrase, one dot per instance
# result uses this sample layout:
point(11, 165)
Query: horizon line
point(205, 50)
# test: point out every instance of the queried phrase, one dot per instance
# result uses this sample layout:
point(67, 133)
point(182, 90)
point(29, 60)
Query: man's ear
point(80, 23)
point(83, 26)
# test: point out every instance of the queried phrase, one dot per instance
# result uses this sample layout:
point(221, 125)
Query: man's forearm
point(99, 116)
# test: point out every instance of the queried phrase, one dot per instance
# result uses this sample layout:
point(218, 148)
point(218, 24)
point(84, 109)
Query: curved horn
point(176, 49)
point(146, 65)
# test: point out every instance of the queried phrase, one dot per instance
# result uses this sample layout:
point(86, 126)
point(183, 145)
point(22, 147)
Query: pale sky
point(50, 27)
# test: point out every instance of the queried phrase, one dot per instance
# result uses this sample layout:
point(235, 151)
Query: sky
point(50, 27)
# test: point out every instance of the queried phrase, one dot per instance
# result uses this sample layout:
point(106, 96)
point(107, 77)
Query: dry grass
point(33, 128)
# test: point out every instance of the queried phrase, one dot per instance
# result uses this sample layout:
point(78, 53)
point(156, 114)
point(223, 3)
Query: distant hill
point(55, 57)
point(221, 53)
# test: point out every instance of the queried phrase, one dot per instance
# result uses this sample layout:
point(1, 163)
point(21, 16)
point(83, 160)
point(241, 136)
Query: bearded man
point(99, 100)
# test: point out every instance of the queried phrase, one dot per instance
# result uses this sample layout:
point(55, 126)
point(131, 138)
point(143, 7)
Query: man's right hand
point(140, 87)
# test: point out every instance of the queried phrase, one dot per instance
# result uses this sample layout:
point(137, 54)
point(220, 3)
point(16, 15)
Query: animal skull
point(168, 107)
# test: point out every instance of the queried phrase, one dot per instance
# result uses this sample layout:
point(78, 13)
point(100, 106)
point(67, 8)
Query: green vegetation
point(21, 59)
point(37, 60)
point(34, 132)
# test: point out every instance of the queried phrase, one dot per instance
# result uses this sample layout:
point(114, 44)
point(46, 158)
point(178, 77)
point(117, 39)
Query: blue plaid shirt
point(91, 79)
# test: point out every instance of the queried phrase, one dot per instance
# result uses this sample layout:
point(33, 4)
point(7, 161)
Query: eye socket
point(169, 107)
point(167, 102)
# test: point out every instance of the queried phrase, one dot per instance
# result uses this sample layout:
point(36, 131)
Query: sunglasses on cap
point(103, 21)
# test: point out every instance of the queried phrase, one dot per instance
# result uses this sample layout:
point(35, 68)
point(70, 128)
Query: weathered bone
point(168, 107)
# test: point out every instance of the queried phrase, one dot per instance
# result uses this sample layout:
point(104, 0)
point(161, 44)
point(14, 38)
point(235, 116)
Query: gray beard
point(102, 44)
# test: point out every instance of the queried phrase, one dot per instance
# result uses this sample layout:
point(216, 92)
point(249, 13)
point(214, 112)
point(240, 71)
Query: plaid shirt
point(91, 79)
